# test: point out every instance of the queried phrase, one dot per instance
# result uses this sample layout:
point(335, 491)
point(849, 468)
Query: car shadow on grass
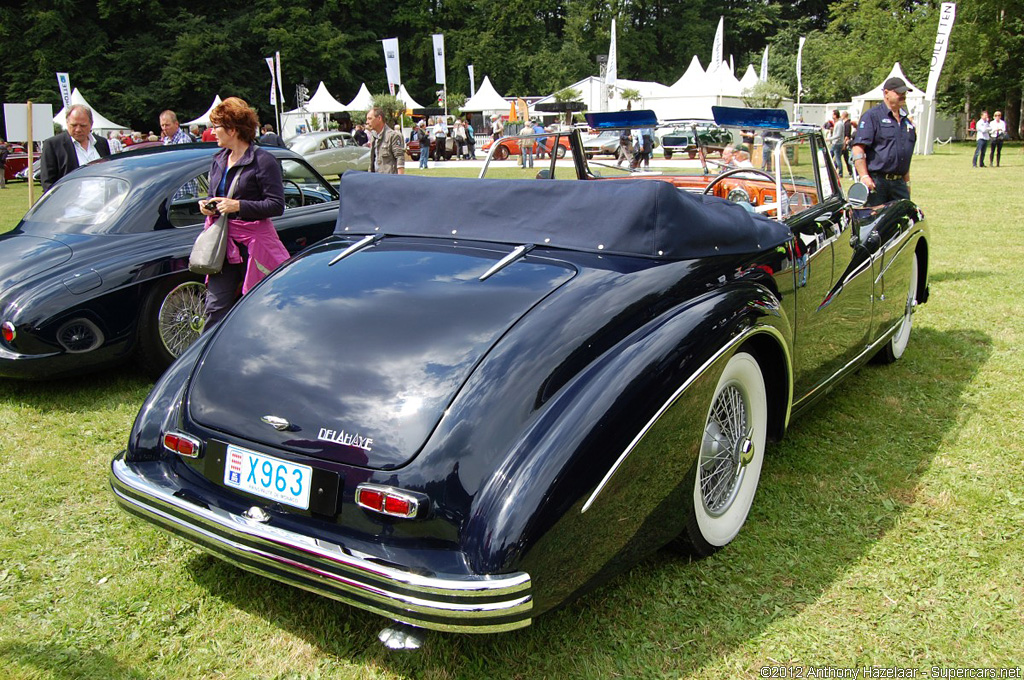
point(91, 391)
point(830, 491)
point(63, 662)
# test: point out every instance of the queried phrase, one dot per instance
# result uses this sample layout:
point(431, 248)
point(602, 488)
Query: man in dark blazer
point(64, 152)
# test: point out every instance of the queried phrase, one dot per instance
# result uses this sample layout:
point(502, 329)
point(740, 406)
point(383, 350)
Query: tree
point(766, 94)
point(630, 95)
point(391, 106)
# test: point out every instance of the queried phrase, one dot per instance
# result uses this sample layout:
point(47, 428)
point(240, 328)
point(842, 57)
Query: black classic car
point(97, 271)
point(476, 415)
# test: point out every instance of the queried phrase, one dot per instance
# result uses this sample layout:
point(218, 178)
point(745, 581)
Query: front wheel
point(728, 468)
point(501, 153)
point(668, 154)
point(897, 345)
point(560, 151)
point(172, 318)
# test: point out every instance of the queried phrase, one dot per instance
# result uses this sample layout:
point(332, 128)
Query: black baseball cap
point(896, 85)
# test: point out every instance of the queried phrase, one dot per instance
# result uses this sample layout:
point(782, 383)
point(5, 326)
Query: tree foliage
point(135, 58)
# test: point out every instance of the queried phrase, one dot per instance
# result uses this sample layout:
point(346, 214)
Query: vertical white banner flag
point(764, 65)
point(273, 82)
point(280, 83)
point(611, 74)
point(472, 83)
point(391, 64)
point(799, 69)
point(947, 15)
point(64, 83)
point(717, 48)
point(439, 77)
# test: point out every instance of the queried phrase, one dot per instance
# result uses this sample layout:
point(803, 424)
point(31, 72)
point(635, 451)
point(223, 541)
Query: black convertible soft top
point(646, 218)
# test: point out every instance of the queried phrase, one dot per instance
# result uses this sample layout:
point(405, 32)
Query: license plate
point(268, 477)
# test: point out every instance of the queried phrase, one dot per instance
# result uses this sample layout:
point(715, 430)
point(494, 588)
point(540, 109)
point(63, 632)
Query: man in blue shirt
point(884, 145)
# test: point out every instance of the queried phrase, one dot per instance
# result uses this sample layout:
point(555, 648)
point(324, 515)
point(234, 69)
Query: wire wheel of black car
point(728, 468)
point(172, 319)
point(897, 344)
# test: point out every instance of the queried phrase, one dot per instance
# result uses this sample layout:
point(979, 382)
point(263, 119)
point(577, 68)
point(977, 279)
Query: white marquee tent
point(410, 103)
point(362, 101)
point(100, 123)
point(323, 101)
point(486, 99)
point(205, 118)
point(916, 104)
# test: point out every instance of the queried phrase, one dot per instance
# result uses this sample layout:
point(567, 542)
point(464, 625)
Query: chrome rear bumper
point(454, 603)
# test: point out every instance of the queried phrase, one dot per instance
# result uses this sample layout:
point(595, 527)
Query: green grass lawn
point(887, 530)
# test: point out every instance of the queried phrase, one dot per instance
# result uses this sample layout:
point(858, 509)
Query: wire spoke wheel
point(728, 468)
point(182, 316)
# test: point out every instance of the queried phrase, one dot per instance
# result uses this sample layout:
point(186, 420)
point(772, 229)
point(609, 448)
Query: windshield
point(85, 204)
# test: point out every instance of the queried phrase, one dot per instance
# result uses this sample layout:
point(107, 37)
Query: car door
point(833, 302)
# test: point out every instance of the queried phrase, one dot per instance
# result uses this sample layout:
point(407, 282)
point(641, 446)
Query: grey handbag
point(211, 246)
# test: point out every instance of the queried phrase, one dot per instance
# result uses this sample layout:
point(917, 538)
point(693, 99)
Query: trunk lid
point(359, 360)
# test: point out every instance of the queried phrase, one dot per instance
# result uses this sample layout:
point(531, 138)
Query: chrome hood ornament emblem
point(276, 422)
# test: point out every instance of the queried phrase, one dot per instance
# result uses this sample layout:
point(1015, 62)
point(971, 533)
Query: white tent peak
point(323, 101)
point(362, 101)
point(205, 118)
point(749, 78)
point(99, 121)
point(896, 72)
point(403, 95)
point(691, 79)
point(486, 99)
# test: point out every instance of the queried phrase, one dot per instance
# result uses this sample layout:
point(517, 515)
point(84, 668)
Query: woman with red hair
point(245, 185)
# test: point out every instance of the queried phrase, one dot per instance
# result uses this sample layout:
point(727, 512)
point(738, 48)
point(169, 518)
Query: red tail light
point(388, 500)
point(7, 328)
point(182, 444)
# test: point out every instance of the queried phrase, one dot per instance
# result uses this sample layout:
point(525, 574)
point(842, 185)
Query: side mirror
point(858, 195)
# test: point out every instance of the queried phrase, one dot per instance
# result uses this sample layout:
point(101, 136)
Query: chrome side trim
point(448, 602)
point(851, 364)
point(364, 242)
point(518, 252)
point(682, 388)
point(898, 245)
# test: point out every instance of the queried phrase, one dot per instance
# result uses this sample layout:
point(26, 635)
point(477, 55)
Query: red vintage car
point(16, 162)
point(509, 146)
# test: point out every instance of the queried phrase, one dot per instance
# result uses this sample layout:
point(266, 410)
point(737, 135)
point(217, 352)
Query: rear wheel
point(172, 318)
point(560, 151)
point(728, 468)
point(897, 344)
point(668, 154)
point(501, 153)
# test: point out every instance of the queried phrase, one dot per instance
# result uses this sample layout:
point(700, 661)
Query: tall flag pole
point(717, 48)
point(472, 83)
point(391, 64)
point(611, 73)
point(799, 69)
point(439, 70)
point(273, 86)
point(280, 91)
point(764, 65)
point(947, 15)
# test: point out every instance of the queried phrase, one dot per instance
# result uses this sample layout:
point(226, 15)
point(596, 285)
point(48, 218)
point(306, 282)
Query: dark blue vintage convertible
point(96, 272)
point(481, 398)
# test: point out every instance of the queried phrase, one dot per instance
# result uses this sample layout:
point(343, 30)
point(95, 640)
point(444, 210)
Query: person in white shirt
point(440, 135)
point(982, 130)
point(996, 134)
point(69, 150)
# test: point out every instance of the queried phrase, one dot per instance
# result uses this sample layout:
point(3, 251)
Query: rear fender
point(615, 444)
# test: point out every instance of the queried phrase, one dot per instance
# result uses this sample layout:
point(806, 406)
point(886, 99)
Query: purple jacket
point(260, 190)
